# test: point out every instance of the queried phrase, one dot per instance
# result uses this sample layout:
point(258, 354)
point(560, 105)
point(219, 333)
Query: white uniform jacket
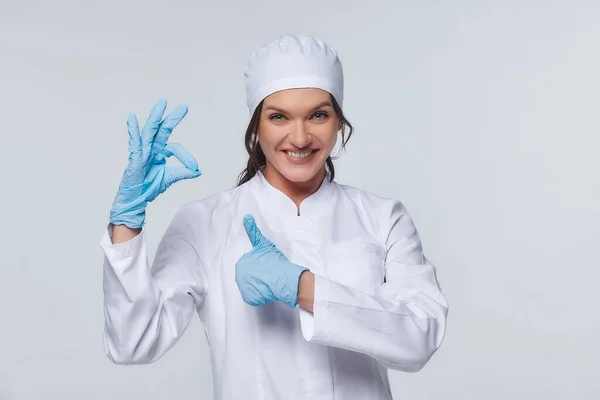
point(377, 303)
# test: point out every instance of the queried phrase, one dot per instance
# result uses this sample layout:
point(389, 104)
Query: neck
point(296, 191)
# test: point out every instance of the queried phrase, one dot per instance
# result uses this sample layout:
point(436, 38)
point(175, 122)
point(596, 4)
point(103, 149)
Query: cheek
point(333, 141)
point(328, 136)
point(269, 138)
point(265, 138)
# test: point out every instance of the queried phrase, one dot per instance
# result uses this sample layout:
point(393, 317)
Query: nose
point(300, 136)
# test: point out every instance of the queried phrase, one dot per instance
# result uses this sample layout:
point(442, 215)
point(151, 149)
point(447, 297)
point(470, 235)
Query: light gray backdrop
point(481, 116)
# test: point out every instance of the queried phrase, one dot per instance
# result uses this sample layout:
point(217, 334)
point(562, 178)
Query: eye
point(320, 115)
point(276, 117)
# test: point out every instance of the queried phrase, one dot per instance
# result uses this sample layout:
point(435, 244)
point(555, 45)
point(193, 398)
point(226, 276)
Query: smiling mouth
point(301, 155)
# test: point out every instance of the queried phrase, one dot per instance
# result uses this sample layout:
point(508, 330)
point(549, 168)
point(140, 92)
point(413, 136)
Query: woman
point(306, 288)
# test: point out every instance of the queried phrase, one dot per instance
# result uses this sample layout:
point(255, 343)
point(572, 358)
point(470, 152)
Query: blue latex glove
point(147, 174)
point(264, 274)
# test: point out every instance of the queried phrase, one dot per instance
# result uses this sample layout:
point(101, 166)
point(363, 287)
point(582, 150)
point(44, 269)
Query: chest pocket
point(357, 263)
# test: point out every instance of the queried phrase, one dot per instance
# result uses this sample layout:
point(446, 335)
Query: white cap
point(290, 62)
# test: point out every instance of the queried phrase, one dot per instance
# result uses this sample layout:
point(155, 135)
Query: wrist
point(132, 217)
point(290, 294)
point(306, 290)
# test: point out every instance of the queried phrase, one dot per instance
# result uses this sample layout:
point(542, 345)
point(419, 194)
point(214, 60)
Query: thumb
point(176, 174)
point(254, 234)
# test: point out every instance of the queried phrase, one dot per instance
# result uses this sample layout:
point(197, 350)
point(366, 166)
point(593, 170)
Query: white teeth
point(299, 155)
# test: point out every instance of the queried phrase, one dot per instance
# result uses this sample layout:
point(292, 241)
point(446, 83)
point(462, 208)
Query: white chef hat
point(290, 62)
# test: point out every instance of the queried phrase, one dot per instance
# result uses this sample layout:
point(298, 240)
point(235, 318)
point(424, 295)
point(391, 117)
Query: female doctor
point(306, 288)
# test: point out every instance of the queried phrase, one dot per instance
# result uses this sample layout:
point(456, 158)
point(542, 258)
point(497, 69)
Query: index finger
point(168, 124)
point(153, 122)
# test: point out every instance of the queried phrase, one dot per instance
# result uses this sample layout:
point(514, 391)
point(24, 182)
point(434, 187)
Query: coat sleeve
point(147, 309)
point(403, 324)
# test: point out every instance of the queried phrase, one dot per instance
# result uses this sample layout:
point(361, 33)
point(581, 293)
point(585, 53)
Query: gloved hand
point(147, 175)
point(264, 274)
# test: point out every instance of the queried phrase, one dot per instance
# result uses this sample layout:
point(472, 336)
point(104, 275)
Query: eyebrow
point(323, 104)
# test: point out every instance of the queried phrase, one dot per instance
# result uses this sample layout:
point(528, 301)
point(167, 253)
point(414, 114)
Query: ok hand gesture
point(147, 175)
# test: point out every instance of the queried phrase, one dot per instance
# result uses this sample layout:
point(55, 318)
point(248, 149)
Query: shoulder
point(212, 206)
point(206, 220)
point(386, 214)
point(370, 202)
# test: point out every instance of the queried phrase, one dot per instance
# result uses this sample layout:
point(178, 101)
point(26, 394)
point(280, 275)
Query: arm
point(121, 233)
point(148, 309)
point(306, 291)
point(402, 325)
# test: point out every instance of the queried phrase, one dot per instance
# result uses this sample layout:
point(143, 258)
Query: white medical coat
point(377, 303)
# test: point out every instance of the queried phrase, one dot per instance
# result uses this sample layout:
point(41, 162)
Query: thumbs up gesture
point(264, 274)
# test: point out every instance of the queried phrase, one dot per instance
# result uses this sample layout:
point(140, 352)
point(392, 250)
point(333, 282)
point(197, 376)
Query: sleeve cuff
point(314, 325)
point(125, 249)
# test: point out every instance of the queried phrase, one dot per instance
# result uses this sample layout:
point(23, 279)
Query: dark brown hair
point(257, 158)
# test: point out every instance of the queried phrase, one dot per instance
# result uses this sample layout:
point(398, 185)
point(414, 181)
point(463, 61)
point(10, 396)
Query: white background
point(480, 116)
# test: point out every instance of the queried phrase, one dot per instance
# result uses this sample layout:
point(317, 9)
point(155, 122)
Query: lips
point(299, 158)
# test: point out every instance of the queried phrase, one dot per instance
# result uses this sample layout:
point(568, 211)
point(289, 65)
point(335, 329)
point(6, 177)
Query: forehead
point(297, 99)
